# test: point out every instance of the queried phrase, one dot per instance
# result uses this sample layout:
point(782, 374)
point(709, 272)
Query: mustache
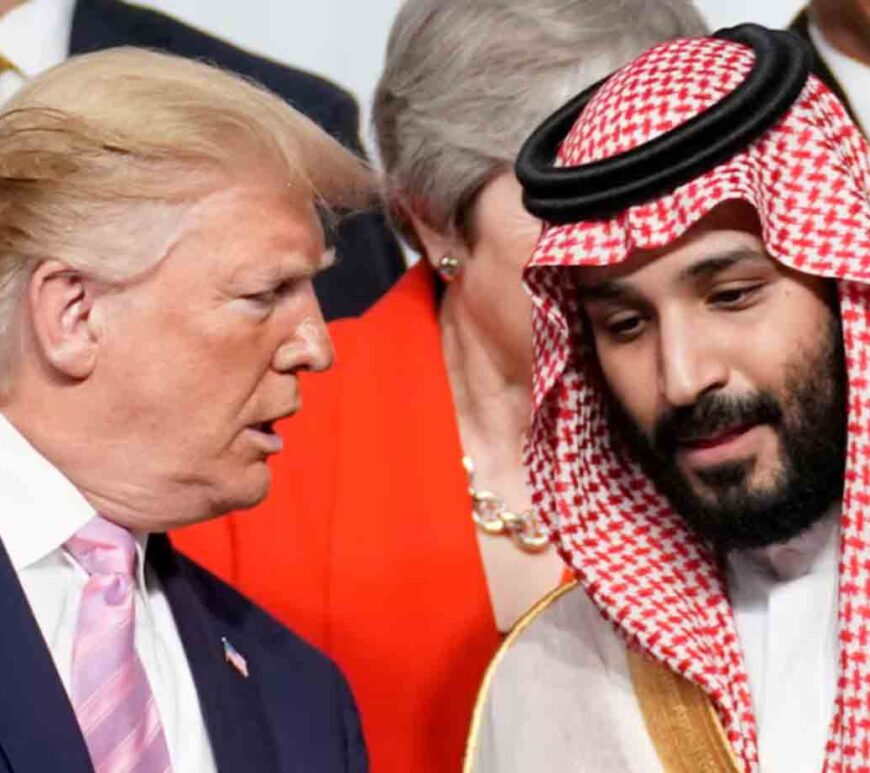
point(710, 415)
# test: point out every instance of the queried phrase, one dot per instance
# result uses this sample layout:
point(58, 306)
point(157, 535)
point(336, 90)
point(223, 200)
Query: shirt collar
point(34, 36)
point(40, 509)
point(852, 75)
point(815, 550)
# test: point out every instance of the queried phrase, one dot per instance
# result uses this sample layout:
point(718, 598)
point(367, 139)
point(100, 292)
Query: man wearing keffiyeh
point(699, 447)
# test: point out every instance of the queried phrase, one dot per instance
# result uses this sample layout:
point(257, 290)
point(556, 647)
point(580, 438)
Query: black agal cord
point(602, 188)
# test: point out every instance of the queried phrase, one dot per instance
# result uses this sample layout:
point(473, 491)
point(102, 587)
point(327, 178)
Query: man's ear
point(61, 309)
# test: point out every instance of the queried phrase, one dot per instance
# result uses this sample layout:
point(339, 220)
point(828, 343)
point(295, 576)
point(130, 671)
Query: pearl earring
point(449, 267)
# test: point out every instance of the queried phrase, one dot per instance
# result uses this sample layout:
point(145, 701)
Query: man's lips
point(267, 425)
point(722, 447)
point(264, 435)
point(265, 438)
point(719, 438)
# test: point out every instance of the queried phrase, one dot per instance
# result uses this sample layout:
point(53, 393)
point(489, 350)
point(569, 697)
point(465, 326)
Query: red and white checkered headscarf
point(808, 179)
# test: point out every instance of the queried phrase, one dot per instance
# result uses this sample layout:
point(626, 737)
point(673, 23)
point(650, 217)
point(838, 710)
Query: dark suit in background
point(369, 259)
point(293, 713)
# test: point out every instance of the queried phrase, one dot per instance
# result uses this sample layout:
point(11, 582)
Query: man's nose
point(309, 347)
point(320, 353)
point(324, 355)
point(690, 363)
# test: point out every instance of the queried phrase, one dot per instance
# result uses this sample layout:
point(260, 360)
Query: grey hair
point(466, 81)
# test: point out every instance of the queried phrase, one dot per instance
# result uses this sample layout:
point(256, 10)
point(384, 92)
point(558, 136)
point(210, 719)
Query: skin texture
point(487, 295)
point(485, 318)
point(8, 5)
point(155, 388)
point(713, 321)
point(490, 296)
point(846, 25)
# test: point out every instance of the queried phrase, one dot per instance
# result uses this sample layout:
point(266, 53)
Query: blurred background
point(344, 39)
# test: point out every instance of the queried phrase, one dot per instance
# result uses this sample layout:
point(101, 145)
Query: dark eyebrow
point(707, 267)
point(609, 290)
point(616, 289)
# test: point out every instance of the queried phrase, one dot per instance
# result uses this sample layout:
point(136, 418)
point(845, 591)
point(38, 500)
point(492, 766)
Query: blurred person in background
point(38, 34)
point(839, 33)
point(371, 542)
point(156, 309)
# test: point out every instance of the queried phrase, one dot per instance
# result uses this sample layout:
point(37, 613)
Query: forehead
point(729, 231)
point(244, 227)
point(269, 212)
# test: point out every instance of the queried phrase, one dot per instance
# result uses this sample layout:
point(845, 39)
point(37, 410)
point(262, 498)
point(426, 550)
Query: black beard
point(810, 421)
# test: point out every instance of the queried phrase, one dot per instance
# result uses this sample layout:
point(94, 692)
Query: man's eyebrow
point(293, 270)
point(608, 290)
point(707, 267)
point(294, 266)
point(617, 289)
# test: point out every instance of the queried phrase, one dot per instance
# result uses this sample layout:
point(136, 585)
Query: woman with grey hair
point(427, 548)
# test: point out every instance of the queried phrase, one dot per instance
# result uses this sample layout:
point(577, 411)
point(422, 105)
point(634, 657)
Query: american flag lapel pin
point(234, 657)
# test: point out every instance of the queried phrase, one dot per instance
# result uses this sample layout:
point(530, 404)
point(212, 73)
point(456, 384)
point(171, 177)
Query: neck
point(491, 385)
point(845, 26)
point(97, 466)
point(800, 554)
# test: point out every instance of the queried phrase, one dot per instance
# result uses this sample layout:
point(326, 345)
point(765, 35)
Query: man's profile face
point(201, 355)
point(726, 376)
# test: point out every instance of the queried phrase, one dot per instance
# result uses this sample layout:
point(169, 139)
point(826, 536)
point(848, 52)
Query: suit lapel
point(38, 729)
point(231, 704)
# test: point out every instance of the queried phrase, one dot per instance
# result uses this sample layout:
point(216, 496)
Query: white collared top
point(39, 511)
point(34, 36)
point(785, 607)
point(852, 75)
point(561, 697)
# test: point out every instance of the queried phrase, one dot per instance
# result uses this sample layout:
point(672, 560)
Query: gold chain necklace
point(490, 513)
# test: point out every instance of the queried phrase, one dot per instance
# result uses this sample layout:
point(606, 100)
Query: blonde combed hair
point(101, 156)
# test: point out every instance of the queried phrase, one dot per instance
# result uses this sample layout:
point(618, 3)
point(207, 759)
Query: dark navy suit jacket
point(294, 712)
point(369, 260)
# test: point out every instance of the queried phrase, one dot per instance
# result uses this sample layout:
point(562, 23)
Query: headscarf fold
point(807, 178)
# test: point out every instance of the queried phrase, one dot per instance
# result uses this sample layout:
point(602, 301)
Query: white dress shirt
point(785, 606)
point(34, 36)
point(39, 511)
point(852, 75)
point(561, 696)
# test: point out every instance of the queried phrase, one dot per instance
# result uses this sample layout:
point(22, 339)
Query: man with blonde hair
point(159, 232)
point(36, 35)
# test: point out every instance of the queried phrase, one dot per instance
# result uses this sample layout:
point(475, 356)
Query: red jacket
point(365, 544)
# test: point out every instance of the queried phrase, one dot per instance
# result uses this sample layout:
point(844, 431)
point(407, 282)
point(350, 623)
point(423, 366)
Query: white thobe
point(785, 607)
point(561, 696)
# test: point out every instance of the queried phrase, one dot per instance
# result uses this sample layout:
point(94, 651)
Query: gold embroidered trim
point(483, 693)
point(680, 719)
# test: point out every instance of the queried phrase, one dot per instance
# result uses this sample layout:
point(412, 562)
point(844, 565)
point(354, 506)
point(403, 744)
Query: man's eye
point(272, 296)
point(624, 326)
point(734, 297)
point(266, 298)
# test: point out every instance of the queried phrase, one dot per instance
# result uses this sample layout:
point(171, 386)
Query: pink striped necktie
point(110, 693)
